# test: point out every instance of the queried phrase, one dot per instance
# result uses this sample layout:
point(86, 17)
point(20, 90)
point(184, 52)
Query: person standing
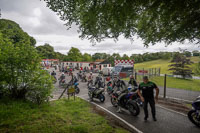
point(147, 87)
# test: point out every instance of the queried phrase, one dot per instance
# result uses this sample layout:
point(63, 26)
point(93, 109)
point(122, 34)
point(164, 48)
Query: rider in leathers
point(119, 87)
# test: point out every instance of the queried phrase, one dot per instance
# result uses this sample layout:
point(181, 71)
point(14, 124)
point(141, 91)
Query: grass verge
point(66, 116)
point(187, 84)
point(163, 64)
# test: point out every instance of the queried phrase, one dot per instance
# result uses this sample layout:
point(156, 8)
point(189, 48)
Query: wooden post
point(165, 81)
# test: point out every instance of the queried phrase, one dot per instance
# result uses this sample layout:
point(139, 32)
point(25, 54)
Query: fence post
point(165, 81)
point(135, 75)
point(143, 72)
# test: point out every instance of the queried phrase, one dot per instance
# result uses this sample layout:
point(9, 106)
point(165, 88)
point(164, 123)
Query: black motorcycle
point(126, 103)
point(97, 93)
point(99, 82)
point(84, 78)
point(194, 114)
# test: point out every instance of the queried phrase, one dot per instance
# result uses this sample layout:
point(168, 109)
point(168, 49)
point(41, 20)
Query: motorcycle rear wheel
point(114, 101)
point(193, 117)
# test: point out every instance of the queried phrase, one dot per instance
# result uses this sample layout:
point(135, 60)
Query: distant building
point(99, 64)
point(49, 62)
point(103, 64)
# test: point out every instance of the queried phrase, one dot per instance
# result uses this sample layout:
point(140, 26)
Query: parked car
point(107, 71)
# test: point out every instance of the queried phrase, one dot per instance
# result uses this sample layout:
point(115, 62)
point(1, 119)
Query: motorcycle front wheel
point(101, 98)
point(77, 90)
point(90, 95)
point(194, 117)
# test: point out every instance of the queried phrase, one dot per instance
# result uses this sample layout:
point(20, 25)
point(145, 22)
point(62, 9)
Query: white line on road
point(172, 110)
point(128, 124)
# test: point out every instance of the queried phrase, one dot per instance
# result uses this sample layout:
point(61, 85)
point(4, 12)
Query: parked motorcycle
point(135, 95)
point(99, 82)
point(62, 83)
point(194, 113)
point(84, 78)
point(77, 90)
point(54, 79)
point(127, 103)
point(90, 83)
point(109, 88)
point(97, 93)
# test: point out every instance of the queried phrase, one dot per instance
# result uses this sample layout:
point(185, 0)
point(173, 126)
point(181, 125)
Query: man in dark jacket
point(147, 87)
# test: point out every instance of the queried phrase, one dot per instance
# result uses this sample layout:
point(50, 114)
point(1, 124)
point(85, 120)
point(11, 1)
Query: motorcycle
point(109, 88)
point(127, 103)
point(97, 93)
point(54, 79)
point(84, 79)
point(194, 113)
point(62, 83)
point(135, 95)
point(99, 82)
point(77, 90)
point(90, 83)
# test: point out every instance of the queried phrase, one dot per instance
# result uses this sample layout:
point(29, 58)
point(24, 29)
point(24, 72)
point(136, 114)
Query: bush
point(21, 76)
point(40, 87)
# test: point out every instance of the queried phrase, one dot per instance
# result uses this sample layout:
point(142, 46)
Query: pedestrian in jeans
point(147, 87)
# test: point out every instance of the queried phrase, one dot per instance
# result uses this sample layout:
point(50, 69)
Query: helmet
point(90, 72)
point(63, 73)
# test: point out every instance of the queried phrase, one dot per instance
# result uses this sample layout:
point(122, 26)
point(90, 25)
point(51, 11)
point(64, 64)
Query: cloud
point(46, 27)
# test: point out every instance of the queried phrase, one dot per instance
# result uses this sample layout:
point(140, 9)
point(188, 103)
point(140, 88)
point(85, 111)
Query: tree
point(187, 53)
point(46, 51)
point(20, 70)
point(116, 56)
point(196, 53)
point(180, 66)
point(125, 57)
point(14, 33)
point(166, 56)
point(197, 69)
point(87, 57)
point(152, 20)
point(74, 54)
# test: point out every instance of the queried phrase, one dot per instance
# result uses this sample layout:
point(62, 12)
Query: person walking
point(147, 96)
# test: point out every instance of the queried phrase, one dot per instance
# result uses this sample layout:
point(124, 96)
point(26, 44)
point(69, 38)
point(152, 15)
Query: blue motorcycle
point(77, 90)
point(194, 114)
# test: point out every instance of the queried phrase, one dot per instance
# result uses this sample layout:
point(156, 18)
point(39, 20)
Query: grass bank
point(163, 64)
point(63, 116)
point(187, 84)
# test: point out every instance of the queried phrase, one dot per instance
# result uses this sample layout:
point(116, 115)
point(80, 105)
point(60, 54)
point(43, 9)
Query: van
point(123, 71)
point(107, 71)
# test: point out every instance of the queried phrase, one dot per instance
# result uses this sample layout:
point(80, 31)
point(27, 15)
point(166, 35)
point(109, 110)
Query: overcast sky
point(45, 26)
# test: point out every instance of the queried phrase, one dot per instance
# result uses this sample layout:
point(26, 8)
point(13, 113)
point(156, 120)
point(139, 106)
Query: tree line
point(74, 54)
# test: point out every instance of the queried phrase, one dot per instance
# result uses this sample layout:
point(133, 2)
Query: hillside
point(163, 64)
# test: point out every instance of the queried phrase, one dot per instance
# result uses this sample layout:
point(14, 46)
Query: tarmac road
point(167, 121)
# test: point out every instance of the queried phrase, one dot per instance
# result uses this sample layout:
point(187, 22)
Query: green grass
point(163, 64)
point(63, 116)
point(187, 84)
